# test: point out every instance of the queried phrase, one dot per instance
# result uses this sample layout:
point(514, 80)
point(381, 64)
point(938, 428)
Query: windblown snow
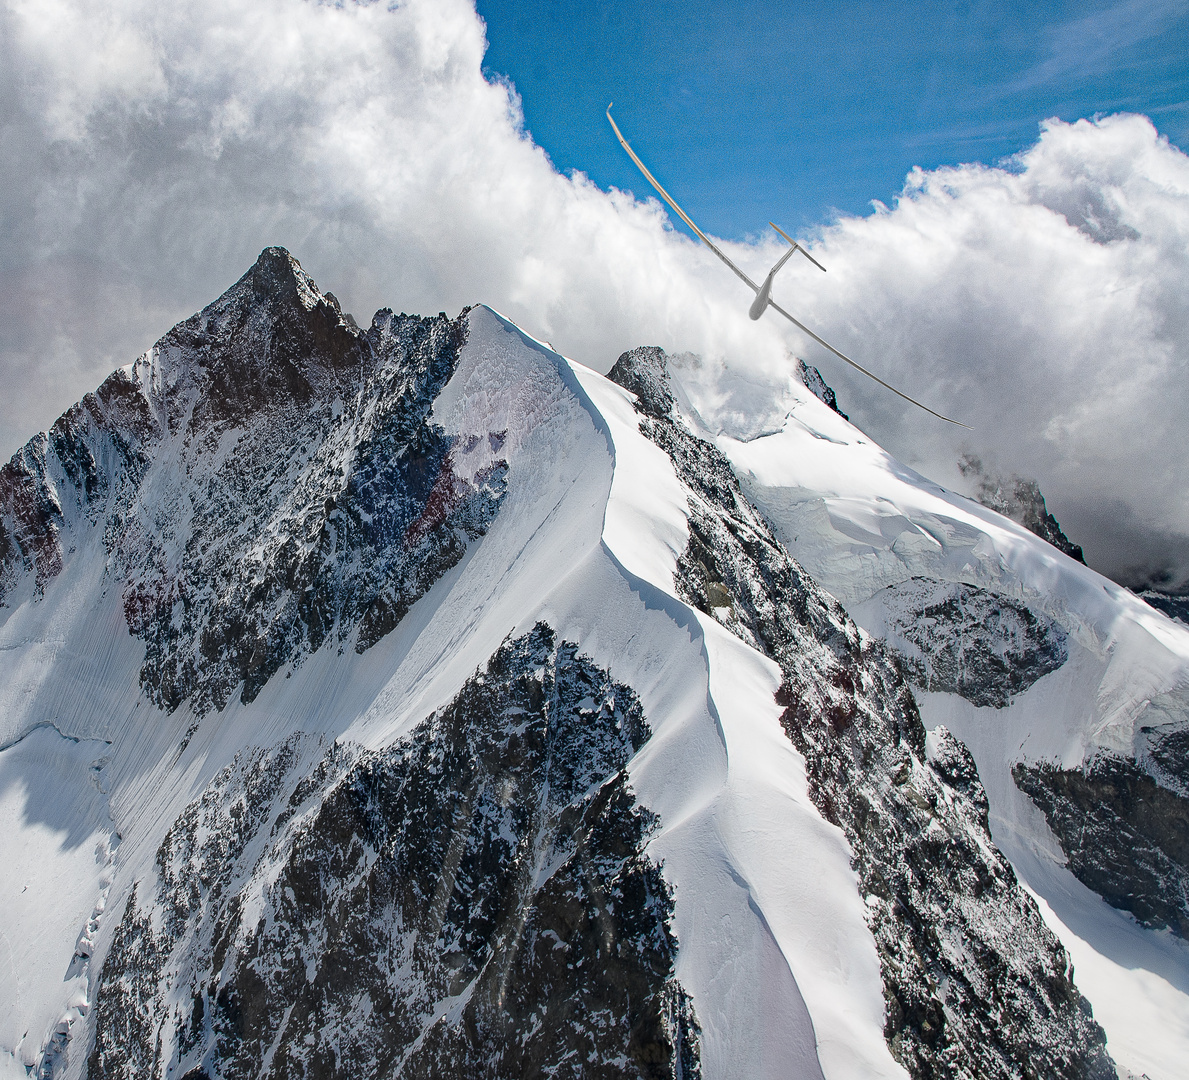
point(157, 836)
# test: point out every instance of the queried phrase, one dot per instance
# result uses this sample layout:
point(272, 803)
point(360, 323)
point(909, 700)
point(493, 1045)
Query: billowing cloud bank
point(148, 152)
point(1045, 305)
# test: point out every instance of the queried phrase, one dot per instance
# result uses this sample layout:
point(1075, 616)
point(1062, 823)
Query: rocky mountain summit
point(412, 701)
point(272, 410)
point(1019, 498)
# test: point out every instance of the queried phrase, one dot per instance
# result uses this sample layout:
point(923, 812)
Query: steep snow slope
point(56, 846)
point(456, 714)
point(1033, 659)
point(727, 804)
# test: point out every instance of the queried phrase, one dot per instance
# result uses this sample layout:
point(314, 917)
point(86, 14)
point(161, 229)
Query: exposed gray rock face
point(1166, 747)
point(1125, 836)
point(816, 385)
point(273, 410)
point(961, 639)
point(1173, 605)
point(1123, 823)
point(975, 983)
point(1020, 499)
point(472, 901)
point(644, 372)
point(94, 456)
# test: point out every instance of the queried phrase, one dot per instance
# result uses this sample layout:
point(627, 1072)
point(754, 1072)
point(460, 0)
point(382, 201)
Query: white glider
point(763, 299)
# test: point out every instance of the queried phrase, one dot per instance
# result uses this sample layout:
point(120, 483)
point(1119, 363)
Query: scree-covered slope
point(412, 701)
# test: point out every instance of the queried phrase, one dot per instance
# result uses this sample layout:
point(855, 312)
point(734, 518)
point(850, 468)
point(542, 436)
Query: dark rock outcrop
point(1166, 747)
point(1018, 498)
point(472, 901)
point(976, 985)
point(1173, 605)
point(817, 386)
point(644, 372)
point(1125, 836)
point(961, 639)
point(92, 458)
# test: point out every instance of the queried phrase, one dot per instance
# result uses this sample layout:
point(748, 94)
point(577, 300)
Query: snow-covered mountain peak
point(414, 701)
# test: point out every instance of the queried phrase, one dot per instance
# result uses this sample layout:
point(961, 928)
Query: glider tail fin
point(797, 247)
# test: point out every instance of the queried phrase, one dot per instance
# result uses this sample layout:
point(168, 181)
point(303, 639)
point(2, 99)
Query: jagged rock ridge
point(462, 883)
point(473, 900)
point(1018, 498)
point(816, 385)
point(975, 983)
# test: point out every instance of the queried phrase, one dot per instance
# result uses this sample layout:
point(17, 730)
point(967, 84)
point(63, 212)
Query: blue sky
point(793, 111)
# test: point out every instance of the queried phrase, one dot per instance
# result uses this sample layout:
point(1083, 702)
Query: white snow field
point(859, 521)
point(774, 951)
point(55, 853)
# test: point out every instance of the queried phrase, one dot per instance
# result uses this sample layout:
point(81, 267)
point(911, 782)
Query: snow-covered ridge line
point(894, 547)
point(757, 1032)
point(391, 587)
point(848, 711)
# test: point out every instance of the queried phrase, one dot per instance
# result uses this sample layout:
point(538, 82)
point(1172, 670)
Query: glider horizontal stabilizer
point(797, 247)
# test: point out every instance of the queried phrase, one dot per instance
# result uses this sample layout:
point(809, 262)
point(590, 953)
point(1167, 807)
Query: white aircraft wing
point(843, 356)
point(754, 287)
point(680, 213)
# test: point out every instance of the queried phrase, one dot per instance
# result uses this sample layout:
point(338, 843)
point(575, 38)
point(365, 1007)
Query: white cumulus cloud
point(148, 152)
point(1044, 304)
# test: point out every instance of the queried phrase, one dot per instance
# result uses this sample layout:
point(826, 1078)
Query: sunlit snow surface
point(860, 521)
point(774, 951)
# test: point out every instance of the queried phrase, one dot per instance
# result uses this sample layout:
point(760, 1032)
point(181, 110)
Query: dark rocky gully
point(474, 901)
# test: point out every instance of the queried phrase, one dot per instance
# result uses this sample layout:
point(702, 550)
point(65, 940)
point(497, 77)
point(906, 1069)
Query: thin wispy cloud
point(1096, 41)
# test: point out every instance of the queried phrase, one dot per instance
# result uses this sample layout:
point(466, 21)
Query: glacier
point(415, 700)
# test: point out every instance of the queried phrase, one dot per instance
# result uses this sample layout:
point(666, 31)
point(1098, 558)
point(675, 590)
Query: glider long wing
point(842, 356)
point(680, 213)
point(753, 286)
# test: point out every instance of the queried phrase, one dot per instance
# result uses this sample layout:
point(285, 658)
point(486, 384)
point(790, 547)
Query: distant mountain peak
point(1018, 498)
